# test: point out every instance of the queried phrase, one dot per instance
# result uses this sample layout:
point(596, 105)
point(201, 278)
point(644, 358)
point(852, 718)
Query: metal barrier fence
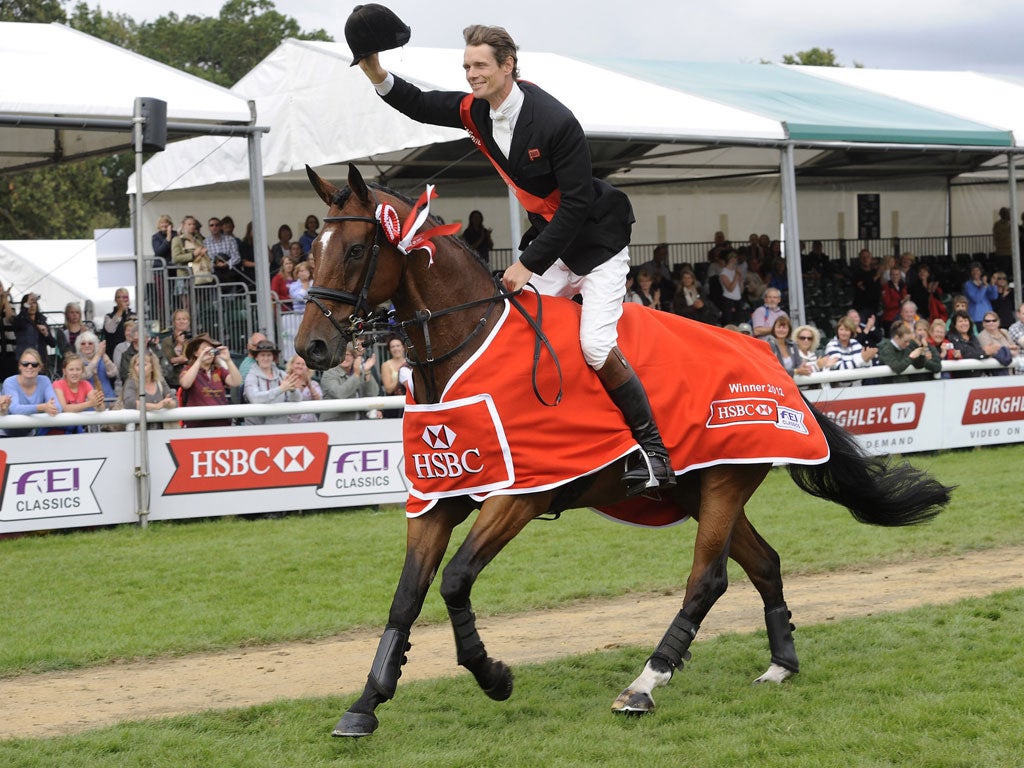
point(959, 249)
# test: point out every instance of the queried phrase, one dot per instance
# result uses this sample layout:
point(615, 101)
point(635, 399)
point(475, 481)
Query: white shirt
point(504, 118)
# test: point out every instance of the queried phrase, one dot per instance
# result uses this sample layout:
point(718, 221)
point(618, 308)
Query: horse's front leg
point(723, 492)
point(426, 541)
point(501, 519)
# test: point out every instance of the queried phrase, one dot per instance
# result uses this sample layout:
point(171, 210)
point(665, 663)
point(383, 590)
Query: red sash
point(542, 206)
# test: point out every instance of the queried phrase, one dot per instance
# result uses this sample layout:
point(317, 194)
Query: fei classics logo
point(211, 464)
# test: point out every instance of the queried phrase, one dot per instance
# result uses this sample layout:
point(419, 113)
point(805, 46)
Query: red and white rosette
point(409, 238)
point(387, 216)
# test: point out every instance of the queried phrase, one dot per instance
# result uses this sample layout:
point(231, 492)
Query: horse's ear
point(325, 189)
point(357, 185)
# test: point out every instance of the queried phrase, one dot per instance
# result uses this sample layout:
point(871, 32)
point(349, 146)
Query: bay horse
point(444, 306)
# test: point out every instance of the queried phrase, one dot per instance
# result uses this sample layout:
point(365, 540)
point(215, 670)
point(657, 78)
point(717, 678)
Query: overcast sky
point(981, 35)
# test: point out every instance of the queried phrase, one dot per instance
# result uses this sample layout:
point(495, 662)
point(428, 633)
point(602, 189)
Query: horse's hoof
point(775, 674)
point(502, 688)
point(633, 703)
point(355, 724)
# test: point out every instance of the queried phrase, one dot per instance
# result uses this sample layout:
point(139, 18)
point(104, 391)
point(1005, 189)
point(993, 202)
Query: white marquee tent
point(66, 95)
point(654, 128)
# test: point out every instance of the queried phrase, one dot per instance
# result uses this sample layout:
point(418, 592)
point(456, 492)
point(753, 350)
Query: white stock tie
point(502, 132)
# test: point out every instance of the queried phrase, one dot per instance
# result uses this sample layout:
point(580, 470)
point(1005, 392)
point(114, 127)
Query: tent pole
point(949, 216)
point(1011, 169)
point(794, 270)
point(261, 256)
point(142, 470)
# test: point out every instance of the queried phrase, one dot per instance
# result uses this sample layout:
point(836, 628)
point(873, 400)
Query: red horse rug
point(718, 397)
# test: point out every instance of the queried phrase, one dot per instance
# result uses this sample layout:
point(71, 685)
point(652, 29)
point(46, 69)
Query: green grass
point(929, 688)
point(87, 598)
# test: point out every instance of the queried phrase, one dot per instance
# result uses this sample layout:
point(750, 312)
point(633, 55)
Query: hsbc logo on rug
point(755, 410)
point(748, 410)
point(439, 437)
point(445, 460)
point(212, 464)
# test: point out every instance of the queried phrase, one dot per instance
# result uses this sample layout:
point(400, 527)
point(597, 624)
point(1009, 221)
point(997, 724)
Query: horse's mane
point(343, 196)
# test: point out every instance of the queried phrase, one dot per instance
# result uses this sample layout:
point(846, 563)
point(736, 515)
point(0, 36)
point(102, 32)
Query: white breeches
point(602, 292)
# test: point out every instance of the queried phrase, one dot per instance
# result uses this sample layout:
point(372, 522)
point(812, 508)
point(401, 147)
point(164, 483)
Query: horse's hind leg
point(723, 492)
point(501, 519)
point(762, 566)
point(427, 540)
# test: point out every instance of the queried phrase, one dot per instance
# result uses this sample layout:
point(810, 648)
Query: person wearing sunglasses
point(30, 390)
point(996, 342)
point(807, 342)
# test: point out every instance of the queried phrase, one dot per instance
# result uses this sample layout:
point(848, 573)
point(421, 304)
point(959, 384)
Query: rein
point(361, 315)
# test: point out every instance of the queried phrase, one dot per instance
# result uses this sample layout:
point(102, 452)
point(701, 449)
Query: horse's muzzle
point(318, 355)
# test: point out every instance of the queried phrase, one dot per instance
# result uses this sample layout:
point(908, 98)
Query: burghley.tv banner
point(928, 416)
point(70, 481)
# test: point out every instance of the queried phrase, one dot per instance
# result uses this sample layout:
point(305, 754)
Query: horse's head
point(357, 266)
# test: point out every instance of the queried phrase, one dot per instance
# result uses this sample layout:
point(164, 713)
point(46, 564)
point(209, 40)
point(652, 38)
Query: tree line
point(71, 200)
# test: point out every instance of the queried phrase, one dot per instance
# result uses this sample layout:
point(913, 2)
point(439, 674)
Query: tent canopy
point(648, 122)
point(60, 271)
point(72, 95)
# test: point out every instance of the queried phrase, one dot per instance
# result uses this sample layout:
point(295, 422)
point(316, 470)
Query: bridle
point(359, 302)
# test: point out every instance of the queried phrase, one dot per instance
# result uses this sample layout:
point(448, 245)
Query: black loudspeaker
point(154, 126)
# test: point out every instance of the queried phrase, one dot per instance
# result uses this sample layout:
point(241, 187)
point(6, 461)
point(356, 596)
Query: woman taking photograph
point(205, 380)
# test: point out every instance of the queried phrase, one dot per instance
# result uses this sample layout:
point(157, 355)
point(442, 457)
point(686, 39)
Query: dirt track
point(61, 703)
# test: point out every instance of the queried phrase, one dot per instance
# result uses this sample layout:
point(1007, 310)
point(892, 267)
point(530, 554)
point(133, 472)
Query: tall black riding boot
point(652, 469)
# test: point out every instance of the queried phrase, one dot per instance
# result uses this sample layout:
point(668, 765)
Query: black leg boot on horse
point(651, 468)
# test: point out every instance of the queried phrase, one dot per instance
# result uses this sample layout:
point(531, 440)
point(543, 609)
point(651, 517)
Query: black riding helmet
point(372, 28)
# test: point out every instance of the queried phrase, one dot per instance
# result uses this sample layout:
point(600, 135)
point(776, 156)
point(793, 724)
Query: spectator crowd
point(896, 313)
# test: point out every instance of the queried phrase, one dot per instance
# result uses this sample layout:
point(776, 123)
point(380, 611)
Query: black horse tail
point(877, 490)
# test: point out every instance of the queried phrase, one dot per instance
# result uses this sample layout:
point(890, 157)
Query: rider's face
point(487, 79)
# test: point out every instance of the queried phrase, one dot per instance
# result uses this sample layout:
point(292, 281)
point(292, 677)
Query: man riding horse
point(579, 239)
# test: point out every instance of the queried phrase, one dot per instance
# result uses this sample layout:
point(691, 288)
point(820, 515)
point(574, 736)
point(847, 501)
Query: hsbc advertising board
point(196, 472)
